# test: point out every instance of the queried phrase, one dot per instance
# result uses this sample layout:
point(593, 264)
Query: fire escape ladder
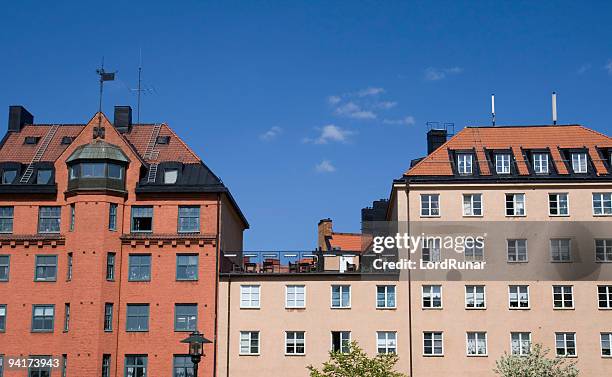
point(42, 148)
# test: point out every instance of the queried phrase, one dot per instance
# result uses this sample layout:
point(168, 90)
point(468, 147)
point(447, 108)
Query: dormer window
point(502, 163)
point(31, 140)
point(540, 163)
point(170, 176)
point(579, 162)
point(163, 140)
point(8, 176)
point(67, 140)
point(464, 163)
point(43, 177)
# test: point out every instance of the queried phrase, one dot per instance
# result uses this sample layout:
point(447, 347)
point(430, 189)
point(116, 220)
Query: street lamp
point(196, 342)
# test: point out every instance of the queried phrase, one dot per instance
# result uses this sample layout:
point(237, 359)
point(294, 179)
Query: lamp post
point(196, 341)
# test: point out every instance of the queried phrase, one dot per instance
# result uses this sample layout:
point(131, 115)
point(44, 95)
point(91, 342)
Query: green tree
point(356, 363)
point(535, 364)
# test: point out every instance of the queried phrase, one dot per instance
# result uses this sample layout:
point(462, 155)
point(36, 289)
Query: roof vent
point(67, 140)
point(31, 140)
point(163, 140)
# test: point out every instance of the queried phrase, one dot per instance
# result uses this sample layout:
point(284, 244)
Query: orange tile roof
point(346, 241)
point(175, 150)
point(515, 137)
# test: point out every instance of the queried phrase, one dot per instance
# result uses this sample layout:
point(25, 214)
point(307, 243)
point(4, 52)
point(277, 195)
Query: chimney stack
point(19, 117)
point(435, 139)
point(324, 232)
point(123, 118)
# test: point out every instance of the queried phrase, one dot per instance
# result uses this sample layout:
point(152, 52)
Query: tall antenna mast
point(140, 90)
point(493, 108)
point(554, 108)
point(104, 76)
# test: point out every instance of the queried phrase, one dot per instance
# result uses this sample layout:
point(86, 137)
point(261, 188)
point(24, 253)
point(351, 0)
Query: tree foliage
point(356, 363)
point(535, 364)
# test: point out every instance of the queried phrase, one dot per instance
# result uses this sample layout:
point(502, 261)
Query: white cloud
point(435, 74)
point(369, 92)
point(325, 166)
point(406, 121)
point(386, 105)
point(331, 133)
point(608, 67)
point(271, 134)
point(334, 100)
point(352, 110)
point(583, 68)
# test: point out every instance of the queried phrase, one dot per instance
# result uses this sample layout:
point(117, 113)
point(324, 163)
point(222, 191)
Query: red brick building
point(109, 237)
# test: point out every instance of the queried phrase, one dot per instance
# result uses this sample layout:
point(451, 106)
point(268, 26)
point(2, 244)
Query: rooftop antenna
point(493, 108)
point(554, 108)
point(139, 90)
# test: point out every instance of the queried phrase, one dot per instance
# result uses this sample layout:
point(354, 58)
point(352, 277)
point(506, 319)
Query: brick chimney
point(324, 232)
point(19, 117)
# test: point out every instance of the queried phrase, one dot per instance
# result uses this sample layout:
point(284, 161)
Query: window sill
point(384, 308)
point(551, 215)
point(603, 215)
point(516, 216)
point(340, 307)
point(529, 308)
point(136, 331)
point(430, 216)
point(45, 281)
point(435, 308)
point(425, 355)
point(477, 355)
point(42, 331)
point(466, 308)
point(568, 356)
point(295, 354)
point(248, 354)
point(476, 216)
point(186, 280)
point(295, 308)
point(250, 308)
point(517, 261)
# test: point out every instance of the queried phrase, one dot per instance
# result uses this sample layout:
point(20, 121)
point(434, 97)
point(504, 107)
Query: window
point(520, 343)
point(187, 267)
point(106, 365)
point(69, 270)
point(474, 251)
point(341, 341)
point(604, 294)
point(476, 343)
point(189, 219)
point(464, 163)
point(66, 317)
point(2, 318)
point(110, 266)
point(43, 317)
point(183, 366)
point(560, 250)
point(502, 163)
point(558, 205)
point(1, 365)
point(140, 267)
point(39, 366)
point(341, 296)
point(475, 297)
point(170, 176)
point(249, 296)
point(64, 364)
point(602, 203)
point(517, 250)
point(137, 317)
point(518, 297)
point(46, 268)
point(540, 163)
point(115, 171)
point(432, 343)
point(386, 342)
point(249, 342)
point(185, 317)
point(163, 139)
point(4, 267)
point(8, 176)
point(563, 297)
point(49, 219)
point(136, 365)
point(385, 296)
point(603, 251)
point(430, 205)
point(432, 296)
point(72, 216)
point(295, 343)
point(108, 316)
point(565, 343)
point(6, 219)
point(295, 296)
point(579, 162)
point(112, 217)
point(43, 176)
point(515, 204)
point(431, 251)
point(93, 170)
point(606, 344)
point(142, 219)
point(472, 204)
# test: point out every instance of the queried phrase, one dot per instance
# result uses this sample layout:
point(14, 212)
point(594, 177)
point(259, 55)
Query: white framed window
point(563, 297)
point(515, 204)
point(431, 252)
point(474, 252)
point(604, 296)
point(520, 343)
point(606, 344)
point(295, 343)
point(170, 176)
point(341, 341)
point(476, 343)
point(518, 297)
point(433, 343)
point(464, 163)
point(340, 296)
point(565, 344)
point(475, 297)
point(602, 203)
point(385, 297)
point(472, 204)
point(558, 204)
point(517, 250)
point(249, 342)
point(502, 163)
point(250, 296)
point(295, 296)
point(430, 205)
point(560, 250)
point(579, 162)
point(432, 296)
point(386, 342)
point(603, 250)
point(540, 163)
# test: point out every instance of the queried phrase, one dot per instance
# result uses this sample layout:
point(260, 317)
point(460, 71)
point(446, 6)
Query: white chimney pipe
point(554, 107)
point(493, 108)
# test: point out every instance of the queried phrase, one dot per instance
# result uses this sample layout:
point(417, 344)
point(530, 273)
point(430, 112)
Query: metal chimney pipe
point(493, 108)
point(554, 108)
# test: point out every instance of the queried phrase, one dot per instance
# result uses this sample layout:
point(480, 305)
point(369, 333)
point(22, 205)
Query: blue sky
point(310, 109)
